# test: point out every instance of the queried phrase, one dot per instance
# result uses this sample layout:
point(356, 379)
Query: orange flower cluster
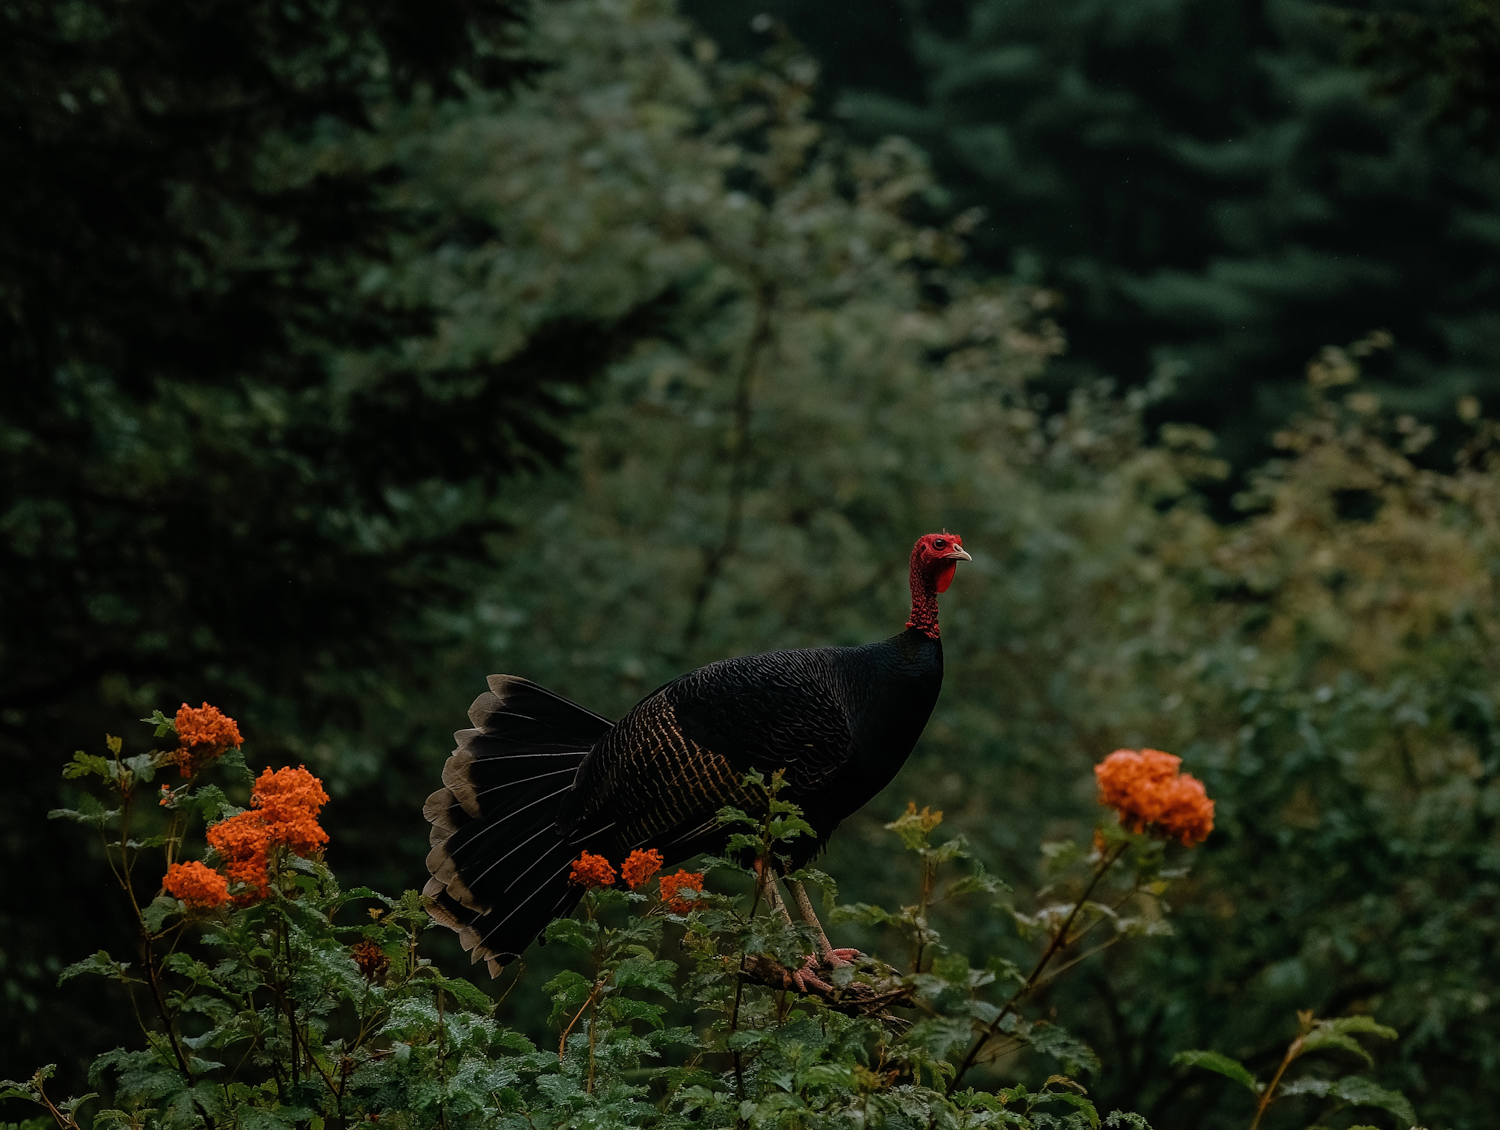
point(592, 870)
point(672, 887)
point(205, 733)
point(639, 866)
point(1146, 789)
point(202, 888)
point(287, 802)
point(244, 844)
point(371, 960)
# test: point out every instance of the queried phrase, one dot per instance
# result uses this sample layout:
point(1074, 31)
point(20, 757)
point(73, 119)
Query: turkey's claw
point(806, 976)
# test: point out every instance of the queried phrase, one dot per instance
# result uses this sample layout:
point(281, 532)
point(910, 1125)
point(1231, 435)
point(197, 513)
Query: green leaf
point(84, 764)
point(162, 907)
point(209, 803)
point(1214, 1061)
point(1318, 1040)
point(1063, 1045)
point(99, 963)
point(627, 1008)
point(1316, 1087)
point(643, 973)
point(90, 811)
point(232, 765)
point(1362, 1024)
point(143, 765)
point(1359, 1091)
point(979, 881)
point(571, 932)
point(468, 994)
point(163, 724)
point(1073, 1100)
point(866, 914)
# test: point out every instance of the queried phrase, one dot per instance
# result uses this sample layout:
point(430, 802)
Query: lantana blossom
point(591, 870)
point(205, 733)
point(639, 866)
point(285, 814)
point(196, 884)
point(1149, 792)
point(672, 887)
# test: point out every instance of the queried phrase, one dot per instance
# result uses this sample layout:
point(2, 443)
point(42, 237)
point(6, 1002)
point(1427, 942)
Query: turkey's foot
point(808, 975)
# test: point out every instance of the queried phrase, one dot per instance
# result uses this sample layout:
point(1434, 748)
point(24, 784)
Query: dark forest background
point(352, 351)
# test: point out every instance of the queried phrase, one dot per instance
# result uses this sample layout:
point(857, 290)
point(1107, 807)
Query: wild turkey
point(539, 779)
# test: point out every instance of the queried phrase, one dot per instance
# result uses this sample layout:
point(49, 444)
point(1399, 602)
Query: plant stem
point(1059, 940)
point(1292, 1052)
point(737, 457)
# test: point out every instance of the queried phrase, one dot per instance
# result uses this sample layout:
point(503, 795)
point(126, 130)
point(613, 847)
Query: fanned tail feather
point(499, 861)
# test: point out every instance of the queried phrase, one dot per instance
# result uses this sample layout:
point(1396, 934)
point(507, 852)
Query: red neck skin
point(924, 609)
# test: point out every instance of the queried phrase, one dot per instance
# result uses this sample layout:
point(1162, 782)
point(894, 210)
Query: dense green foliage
point(231, 463)
point(303, 1020)
point(811, 378)
point(1211, 187)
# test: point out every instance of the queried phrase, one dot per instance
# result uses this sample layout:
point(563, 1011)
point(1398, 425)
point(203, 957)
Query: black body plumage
point(539, 779)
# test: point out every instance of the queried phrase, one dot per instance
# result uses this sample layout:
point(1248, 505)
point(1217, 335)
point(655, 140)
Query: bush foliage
point(268, 1001)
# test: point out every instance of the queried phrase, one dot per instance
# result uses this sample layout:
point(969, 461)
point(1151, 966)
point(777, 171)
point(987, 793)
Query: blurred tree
point(1448, 50)
point(1210, 186)
point(232, 466)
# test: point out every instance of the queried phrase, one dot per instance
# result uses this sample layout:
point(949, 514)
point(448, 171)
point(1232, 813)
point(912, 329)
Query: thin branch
point(715, 557)
point(1059, 939)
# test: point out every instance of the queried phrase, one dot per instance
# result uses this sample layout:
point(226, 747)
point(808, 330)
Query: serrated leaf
point(469, 995)
point(1077, 1101)
point(162, 907)
point(1324, 1040)
point(163, 724)
point(627, 1008)
point(978, 882)
point(1359, 1091)
point(99, 963)
point(865, 913)
point(571, 932)
point(89, 811)
point(643, 973)
point(143, 765)
point(1214, 1061)
point(84, 764)
point(1058, 1042)
point(232, 764)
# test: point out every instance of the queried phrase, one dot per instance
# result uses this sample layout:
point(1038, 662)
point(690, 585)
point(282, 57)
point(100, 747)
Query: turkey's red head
point(937, 556)
point(934, 559)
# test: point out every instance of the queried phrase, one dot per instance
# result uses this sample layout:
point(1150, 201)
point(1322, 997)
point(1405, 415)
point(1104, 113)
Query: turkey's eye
point(939, 543)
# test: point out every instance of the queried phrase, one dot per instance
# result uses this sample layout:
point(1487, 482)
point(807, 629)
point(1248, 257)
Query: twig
point(739, 448)
point(1292, 1052)
point(1059, 940)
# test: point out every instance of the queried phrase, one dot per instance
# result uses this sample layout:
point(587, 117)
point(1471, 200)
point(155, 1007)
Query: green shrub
point(269, 997)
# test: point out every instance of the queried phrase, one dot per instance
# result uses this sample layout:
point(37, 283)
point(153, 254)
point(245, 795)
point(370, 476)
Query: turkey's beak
point(957, 555)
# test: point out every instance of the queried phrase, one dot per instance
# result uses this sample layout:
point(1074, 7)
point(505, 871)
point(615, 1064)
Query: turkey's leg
point(773, 892)
point(805, 976)
point(804, 906)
